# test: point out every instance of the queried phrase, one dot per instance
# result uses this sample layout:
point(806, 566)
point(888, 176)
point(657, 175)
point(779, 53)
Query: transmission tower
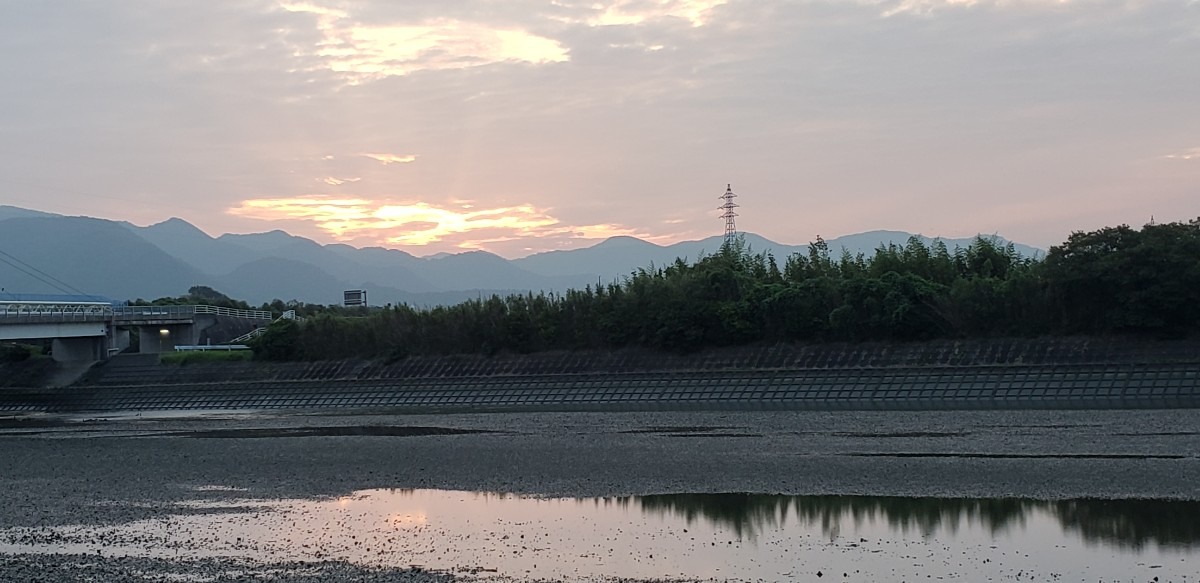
point(729, 214)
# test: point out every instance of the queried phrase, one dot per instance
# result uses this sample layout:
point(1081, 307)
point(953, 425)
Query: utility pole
point(729, 214)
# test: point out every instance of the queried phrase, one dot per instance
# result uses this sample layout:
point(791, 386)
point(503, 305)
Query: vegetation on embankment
point(1116, 280)
point(28, 372)
point(204, 356)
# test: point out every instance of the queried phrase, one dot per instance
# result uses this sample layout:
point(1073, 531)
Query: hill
point(125, 261)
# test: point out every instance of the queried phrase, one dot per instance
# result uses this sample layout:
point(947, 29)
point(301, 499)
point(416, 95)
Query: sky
point(518, 126)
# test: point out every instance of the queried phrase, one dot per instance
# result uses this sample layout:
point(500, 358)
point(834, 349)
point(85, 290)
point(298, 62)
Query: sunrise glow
point(369, 51)
point(632, 12)
point(418, 224)
point(387, 159)
point(1192, 154)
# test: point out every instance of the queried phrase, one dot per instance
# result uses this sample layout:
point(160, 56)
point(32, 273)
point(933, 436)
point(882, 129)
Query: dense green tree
point(1123, 279)
point(282, 340)
point(1115, 280)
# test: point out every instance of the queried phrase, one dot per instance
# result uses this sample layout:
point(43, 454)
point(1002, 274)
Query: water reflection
point(743, 537)
point(1132, 523)
point(1124, 523)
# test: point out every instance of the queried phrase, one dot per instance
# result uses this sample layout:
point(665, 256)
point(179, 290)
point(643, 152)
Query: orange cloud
point(386, 159)
point(460, 226)
point(334, 181)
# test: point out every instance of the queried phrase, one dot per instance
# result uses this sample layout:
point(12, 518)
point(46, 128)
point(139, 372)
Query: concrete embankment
point(1063, 373)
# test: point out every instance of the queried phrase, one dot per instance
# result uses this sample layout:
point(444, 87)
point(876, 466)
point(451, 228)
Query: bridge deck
point(44, 312)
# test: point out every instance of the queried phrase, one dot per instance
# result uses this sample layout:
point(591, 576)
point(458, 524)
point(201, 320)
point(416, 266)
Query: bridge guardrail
point(30, 311)
point(13, 312)
point(134, 312)
point(248, 314)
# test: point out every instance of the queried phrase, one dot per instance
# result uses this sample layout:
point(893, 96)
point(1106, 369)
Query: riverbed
point(783, 495)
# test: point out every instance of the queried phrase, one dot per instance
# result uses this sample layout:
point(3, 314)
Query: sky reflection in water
point(724, 536)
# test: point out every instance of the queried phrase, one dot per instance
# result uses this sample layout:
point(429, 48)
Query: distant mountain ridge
point(609, 259)
point(120, 260)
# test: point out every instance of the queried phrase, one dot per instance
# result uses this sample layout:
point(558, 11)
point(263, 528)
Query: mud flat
point(106, 472)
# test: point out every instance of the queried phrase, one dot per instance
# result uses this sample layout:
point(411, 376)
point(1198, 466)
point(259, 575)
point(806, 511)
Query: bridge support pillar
point(118, 340)
point(88, 349)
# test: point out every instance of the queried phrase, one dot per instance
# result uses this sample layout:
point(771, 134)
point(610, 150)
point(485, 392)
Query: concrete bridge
point(89, 331)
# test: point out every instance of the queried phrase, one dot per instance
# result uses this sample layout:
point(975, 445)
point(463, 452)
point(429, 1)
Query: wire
point(47, 279)
point(33, 275)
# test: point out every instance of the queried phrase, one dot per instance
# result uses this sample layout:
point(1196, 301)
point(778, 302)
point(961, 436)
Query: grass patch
point(197, 356)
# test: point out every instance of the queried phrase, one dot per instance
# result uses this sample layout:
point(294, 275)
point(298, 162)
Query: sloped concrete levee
point(1072, 373)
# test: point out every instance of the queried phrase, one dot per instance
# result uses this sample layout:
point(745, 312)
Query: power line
point(47, 279)
point(33, 275)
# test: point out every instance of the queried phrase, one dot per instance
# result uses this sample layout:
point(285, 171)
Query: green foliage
point(1122, 279)
point(1115, 280)
point(182, 358)
point(279, 342)
point(14, 352)
point(197, 295)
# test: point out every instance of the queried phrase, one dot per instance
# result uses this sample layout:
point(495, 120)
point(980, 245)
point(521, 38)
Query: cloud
point(365, 51)
point(1192, 154)
point(837, 119)
point(635, 12)
point(895, 7)
point(387, 159)
point(421, 224)
point(332, 181)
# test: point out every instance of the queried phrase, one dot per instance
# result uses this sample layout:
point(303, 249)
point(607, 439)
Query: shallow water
point(692, 536)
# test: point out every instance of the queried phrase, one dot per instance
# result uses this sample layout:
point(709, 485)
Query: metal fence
point(40, 311)
point(184, 312)
point(23, 312)
point(248, 314)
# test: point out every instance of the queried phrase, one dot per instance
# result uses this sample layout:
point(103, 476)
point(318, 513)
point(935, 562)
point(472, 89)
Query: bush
point(281, 341)
point(14, 352)
point(196, 356)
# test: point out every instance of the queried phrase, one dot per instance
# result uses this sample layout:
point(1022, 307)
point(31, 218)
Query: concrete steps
point(980, 374)
point(985, 387)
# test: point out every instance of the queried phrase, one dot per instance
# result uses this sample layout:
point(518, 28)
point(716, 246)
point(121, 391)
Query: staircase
point(255, 333)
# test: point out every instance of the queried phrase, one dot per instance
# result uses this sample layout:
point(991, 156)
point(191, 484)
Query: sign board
point(354, 297)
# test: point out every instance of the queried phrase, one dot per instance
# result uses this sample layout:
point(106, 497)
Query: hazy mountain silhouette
point(124, 261)
point(12, 212)
point(270, 278)
point(386, 267)
point(472, 270)
point(90, 256)
point(188, 243)
point(483, 270)
point(347, 268)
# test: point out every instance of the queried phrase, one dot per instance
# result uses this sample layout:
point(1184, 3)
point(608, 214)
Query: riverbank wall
point(1055, 373)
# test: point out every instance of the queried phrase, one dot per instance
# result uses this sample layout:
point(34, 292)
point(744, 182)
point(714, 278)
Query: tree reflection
point(1132, 523)
point(1126, 523)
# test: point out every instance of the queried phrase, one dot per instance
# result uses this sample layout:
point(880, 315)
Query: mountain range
point(45, 253)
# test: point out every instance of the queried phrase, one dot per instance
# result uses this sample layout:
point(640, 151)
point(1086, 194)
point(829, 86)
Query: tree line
point(1116, 280)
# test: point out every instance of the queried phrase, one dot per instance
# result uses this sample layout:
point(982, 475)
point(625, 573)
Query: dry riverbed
point(109, 472)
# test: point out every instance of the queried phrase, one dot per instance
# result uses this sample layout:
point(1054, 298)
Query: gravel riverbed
point(114, 469)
